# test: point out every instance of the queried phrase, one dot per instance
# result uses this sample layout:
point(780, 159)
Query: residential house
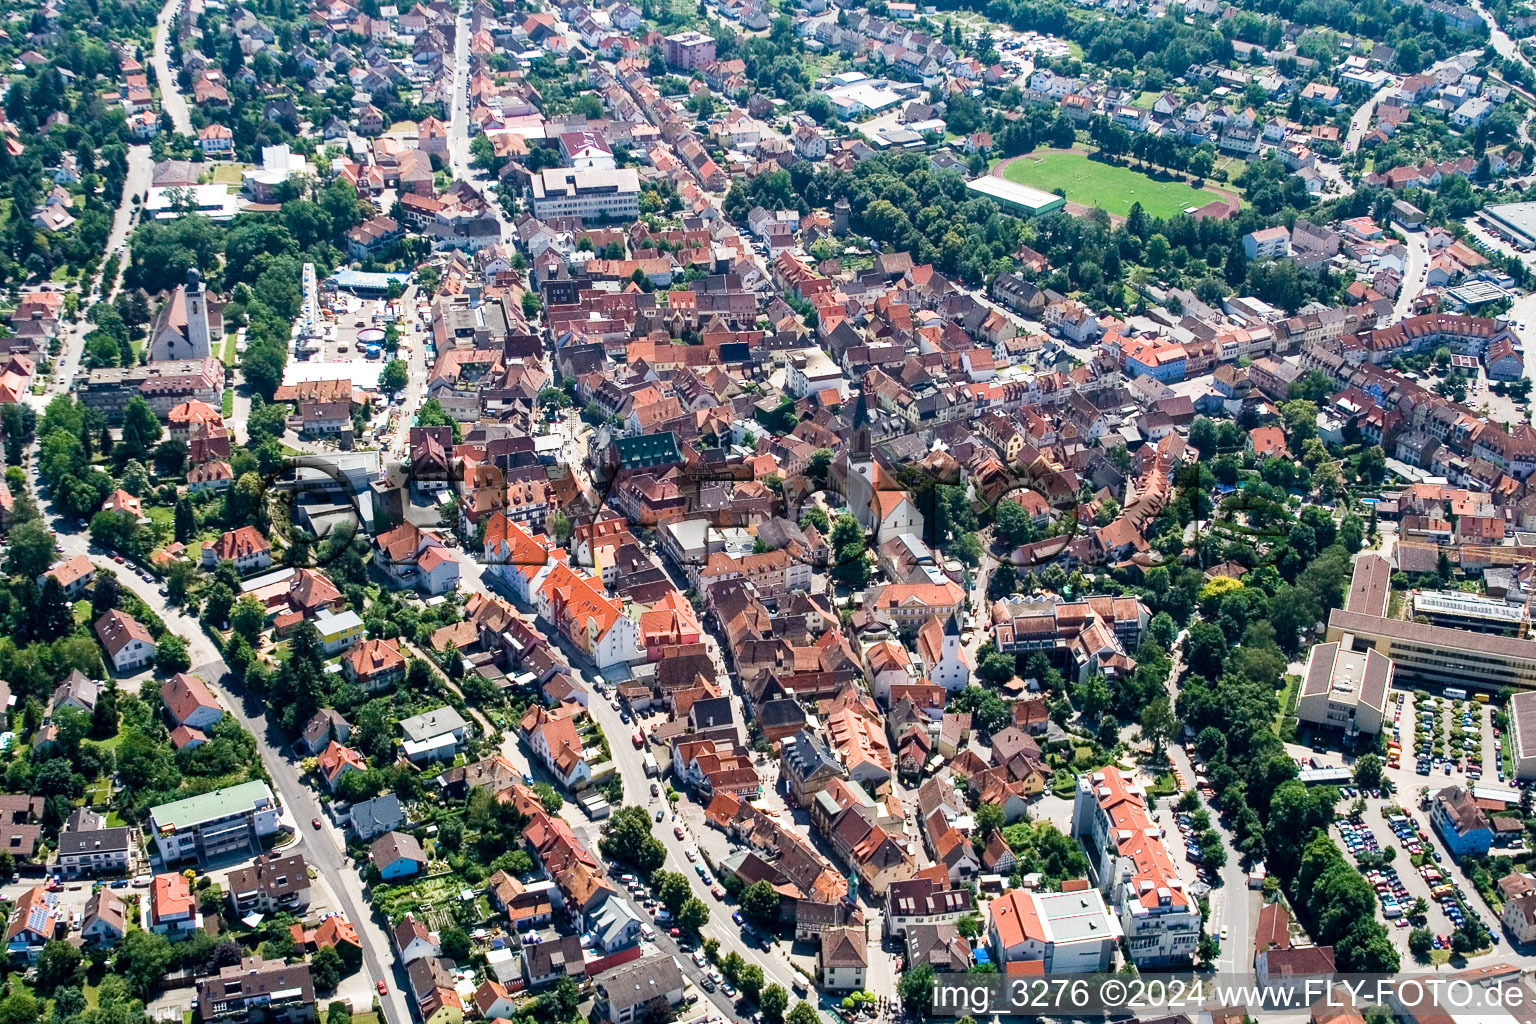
point(271, 884)
point(397, 855)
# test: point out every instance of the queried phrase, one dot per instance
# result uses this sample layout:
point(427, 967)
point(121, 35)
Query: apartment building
point(87, 847)
point(1158, 917)
point(215, 823)
point(259, 992)
point(270, 885)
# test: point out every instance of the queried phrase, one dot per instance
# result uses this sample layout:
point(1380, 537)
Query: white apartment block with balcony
point(1135, 870)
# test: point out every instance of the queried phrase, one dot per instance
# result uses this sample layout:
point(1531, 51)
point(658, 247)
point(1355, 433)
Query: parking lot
point(1440, 741)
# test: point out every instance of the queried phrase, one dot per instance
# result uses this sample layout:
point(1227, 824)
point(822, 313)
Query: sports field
point(1110, 188)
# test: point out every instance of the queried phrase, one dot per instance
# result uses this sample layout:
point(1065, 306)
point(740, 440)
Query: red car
point(383, 988)
point(315, 822)
point(118, 559)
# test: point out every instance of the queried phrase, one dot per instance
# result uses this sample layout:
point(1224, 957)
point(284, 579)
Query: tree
point(143, 957)
point(549, 797)
point(455, 943)
point(1420, 941)
point(104, 714)
point(692, 915)
point(672, 889)
point(325, 968)
point(750, 980)
point(773, 1002)
point(1091, 698)
point(57, 965)
point(760, 903)
point(31, 549)
point(804, 1013)
point(988, 817)
point(627, 838)
point(1205, 649)
point(560, 527)
point(394, 376)
point(1162, 630)
point(916, 990)
point(996, 667)
point(1300, 418)
point(186, 521)
point(1157, 722)
point(1368, 772)
point(171, 654)
point(141, 429)
point(1213, 853)
point(1012, 524)
point(248, 618)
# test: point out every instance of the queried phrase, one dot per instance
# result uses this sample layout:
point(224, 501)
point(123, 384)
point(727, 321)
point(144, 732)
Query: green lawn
point(1110, 188)
point(229, 403)
point(228, 173)
point(229, 348)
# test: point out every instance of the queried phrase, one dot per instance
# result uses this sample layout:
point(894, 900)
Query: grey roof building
point(624, 993)
point(373, 818)
point(808, 763)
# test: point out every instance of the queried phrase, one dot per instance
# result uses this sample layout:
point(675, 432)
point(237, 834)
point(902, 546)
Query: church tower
point(199, 339)
point(861, 466)
point(183, 330)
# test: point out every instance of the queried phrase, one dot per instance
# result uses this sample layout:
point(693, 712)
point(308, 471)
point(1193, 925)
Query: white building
point(1065, 932)
point(1158, 917)
point(432, 734)
point(212, 824)
point(1522, 726)
point(1345, 689)
point(1268, 243)
point(812, 370)
point(586, 192)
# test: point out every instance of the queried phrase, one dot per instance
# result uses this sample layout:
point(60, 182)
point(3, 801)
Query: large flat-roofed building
point(1344, 689)
point(222, 821)
point(1522, 733)
point(688, 50)
point(163, 385)
point(1439, 654)
point(1016, 198)
point(586, 192)
point(1468, 611)
point(1513, 221)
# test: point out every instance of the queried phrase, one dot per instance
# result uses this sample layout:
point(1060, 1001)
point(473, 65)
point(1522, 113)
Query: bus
point(1455, 693)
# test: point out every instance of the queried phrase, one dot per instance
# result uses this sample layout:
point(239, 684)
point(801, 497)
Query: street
point(171, 99)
